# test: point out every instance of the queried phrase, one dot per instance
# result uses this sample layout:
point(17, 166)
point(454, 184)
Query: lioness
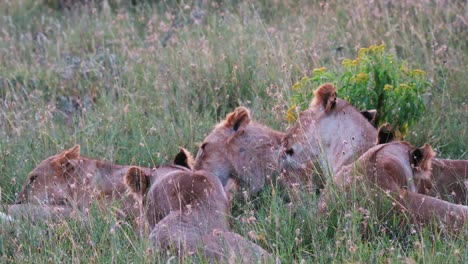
point(448, 179)
point(68, 181)
point(187, 211)
point(244, 154)
point(395, 169)
point(240, 152)
point(333, 132)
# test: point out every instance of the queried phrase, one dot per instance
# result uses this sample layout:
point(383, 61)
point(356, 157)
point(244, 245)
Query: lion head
point(52, 181)
point(240, 149)
point(331, 131)
point(176, 191)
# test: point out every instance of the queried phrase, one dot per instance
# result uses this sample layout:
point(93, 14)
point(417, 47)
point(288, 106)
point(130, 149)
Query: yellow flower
point(320, 70)
point(418, 72)
point(373, 47)
point(355, 62)
point(362, 77)
point(346, 62)
point(362, 52)
point(291, 114)
point(380, 48)
point(387, 87)
point(296, 86)
point(404, 86)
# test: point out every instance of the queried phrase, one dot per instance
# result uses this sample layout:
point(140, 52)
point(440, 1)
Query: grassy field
point(131, 84)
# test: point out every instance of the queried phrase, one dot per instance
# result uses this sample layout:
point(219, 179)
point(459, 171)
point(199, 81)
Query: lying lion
point(333, 132)
point(449, 178)
point(187, 211)
point(396, 169)
point(244, 154)
point(68, 181)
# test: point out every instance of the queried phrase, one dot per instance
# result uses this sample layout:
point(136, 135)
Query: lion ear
point(64, 158)
point(420, 159)
point(370, 116)
point(73, 153)
point(137, 181)
point(325, 96)
point(385, 134)
point(184, 158)
point(237, 119)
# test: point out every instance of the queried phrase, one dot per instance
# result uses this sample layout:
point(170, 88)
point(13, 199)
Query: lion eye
point(203, 146)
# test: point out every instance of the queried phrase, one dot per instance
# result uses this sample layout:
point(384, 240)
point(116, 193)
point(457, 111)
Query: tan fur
point(338, 137)
point(388, 170)
point(241, 150)
point(449, 180)
point(325, 96)
point(187, 211)
point(329, 134)
point(421, 160)
point(69, 180)
point(243, 159)
point(237, 119)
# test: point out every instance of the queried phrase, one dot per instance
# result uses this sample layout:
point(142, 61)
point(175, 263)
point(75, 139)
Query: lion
point(396, 169)
point(330, 131)
point(448, 179)
point(68, 181)
point(242, 153)
point(187, 211)
point(310, 141)
point(333, 132)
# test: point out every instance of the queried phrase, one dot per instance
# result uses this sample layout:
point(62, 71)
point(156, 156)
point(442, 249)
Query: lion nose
point(293, 150)
point(289, 152)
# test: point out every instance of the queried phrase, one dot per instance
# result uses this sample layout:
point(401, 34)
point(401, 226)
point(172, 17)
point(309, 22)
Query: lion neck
point(345, 136)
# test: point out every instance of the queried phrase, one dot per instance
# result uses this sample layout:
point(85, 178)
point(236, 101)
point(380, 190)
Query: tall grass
point(130, 85)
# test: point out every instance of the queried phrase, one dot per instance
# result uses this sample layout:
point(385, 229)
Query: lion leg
point(450, 180)
point(232, 188)
point(425, 209)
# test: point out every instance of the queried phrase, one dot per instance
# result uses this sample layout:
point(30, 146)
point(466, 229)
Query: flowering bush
point(374, 80)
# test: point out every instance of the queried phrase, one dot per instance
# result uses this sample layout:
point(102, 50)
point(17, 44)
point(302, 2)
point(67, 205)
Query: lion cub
point(187, 211)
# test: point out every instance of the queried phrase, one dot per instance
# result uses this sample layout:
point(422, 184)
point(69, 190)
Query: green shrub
point(374, 80)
